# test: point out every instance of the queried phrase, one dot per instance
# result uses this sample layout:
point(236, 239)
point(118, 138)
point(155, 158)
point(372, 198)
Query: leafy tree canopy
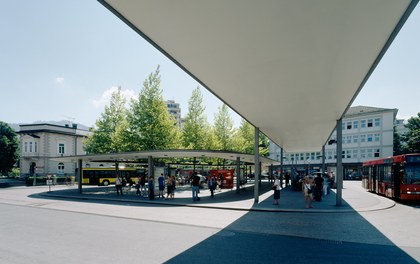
point(8, 148)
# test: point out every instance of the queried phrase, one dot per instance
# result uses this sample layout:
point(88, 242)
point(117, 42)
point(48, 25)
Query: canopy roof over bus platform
point(138, 155)
point(290, 68)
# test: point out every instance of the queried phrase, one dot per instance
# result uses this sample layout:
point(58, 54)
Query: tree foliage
point(8, 148)
point(196, 128)
point(150, 125)
point(412, 137)
point(223, 127)
point(106, 133)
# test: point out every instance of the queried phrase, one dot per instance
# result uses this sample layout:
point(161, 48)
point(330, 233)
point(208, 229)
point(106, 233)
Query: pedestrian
point(220, 182)
point(151, 186)
point(319, 181)
point(212, 183)
point(325, 184)
point(161, 183)
point(276, 188)
point(138, 185)
point(195, 186)
point(307, 191)
point(173, 186)
point(287, 179)
point(168, 187)
point(118, 185)
point(143, 185)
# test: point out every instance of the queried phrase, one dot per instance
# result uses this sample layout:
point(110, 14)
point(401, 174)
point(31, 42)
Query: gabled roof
point(290, 68)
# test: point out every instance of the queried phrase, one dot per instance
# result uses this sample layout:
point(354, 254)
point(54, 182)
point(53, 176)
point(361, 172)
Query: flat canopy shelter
point(290, 68)
point(126, 157)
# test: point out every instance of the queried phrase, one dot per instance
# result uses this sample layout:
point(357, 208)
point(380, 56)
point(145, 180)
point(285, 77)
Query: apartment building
point(368, 133)
point(174, 110)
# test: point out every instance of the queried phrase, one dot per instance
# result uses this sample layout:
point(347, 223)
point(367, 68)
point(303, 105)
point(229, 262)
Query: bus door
point(396, 174)
point(374, 185)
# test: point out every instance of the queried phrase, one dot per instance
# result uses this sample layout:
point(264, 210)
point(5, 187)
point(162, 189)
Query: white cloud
point(59, 80)
point(106, 96)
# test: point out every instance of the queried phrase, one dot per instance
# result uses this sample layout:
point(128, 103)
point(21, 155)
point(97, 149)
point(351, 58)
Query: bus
point(106, 176)
point(397, 177)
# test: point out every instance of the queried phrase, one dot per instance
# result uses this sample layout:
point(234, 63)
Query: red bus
point(395, 177)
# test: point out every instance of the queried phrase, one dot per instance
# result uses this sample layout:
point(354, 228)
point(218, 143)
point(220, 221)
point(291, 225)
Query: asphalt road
point(36, 230)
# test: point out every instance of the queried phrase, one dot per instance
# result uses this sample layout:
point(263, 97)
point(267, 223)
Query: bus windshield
point(412, 174)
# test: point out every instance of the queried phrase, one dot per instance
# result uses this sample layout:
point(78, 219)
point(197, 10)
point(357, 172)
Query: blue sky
point(60, 60)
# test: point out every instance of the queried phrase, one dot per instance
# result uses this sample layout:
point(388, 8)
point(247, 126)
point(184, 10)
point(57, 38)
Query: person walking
point(307, 191)
point(143, 185)
point(138, 185)
point(276, 188)
point(195, 186)
point(161, 183)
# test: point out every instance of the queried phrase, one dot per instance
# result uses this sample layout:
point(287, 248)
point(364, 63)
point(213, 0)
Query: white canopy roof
point(290, 67)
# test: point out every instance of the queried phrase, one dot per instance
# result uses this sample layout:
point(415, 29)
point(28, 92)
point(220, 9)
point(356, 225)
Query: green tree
point(8, 148)
point(245, 138)
point(196, 128)
point(223, 127)
point(106, 136)
point(150, 125)
point(398, 146)
point(412, 137)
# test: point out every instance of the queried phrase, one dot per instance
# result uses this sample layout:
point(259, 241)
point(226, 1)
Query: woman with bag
point(276, 188)
point(307, 191)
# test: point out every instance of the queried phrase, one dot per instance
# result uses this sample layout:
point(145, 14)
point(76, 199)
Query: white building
point(40, 142)
point(368, 133)
point(174, 110)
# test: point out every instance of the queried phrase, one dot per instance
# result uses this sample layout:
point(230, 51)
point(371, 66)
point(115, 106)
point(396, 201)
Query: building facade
point(367, 134)
point(40, 142)
point(174, 110)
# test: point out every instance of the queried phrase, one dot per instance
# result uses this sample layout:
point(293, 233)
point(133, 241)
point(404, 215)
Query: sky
point(61, 60)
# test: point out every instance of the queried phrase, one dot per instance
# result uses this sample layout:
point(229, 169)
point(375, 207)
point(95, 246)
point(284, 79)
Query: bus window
point(412, 174)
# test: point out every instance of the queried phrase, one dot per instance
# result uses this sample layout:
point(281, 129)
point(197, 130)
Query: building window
point(30, 146)
point(377, 153)
point(363, 153)
point(355, 138)
point(348, 141)
point(60, 168)
point(355, 153)
point(348, 154)
point(369, 153)
point(362, 138)
point(343, 126)
point(355, 124)
point(362, 123)
point(329, 155)
point(370, 123)
point(377, 137)
point(369, 138)
point(26, 147)
point(61, 148)
point(36, 147)
point(348, 125)
point(377, 122)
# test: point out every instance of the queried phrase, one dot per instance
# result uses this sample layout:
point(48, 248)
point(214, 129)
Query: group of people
point(312, 188)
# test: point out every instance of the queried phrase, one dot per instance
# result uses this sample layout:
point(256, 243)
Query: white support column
point(339, 173)
point(238, 174)
point(256, 165)
point(79, 175)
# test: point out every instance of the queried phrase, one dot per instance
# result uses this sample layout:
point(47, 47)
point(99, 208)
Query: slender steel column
point(79, 176)
point(238, 174)
point(323, 161)
point(150, 164)
point(281, 168)
point(256, 165)
point(339, 173)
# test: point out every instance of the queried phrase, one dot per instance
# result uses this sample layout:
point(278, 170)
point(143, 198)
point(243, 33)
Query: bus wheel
point(105, 183)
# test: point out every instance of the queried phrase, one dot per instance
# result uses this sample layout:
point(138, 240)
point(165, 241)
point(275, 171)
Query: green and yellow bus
point(106, 176)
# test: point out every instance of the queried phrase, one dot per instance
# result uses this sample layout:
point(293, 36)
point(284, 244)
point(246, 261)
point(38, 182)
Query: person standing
point(221, 183)
point(151, 185)
point(212, 183)
point(143, 185)
point(173, 186)
point(118, 185)
point(161, 183)
point(307, 191)
point(319, 181)
point(276, 188)
point(138, 185)
point(195, 186)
